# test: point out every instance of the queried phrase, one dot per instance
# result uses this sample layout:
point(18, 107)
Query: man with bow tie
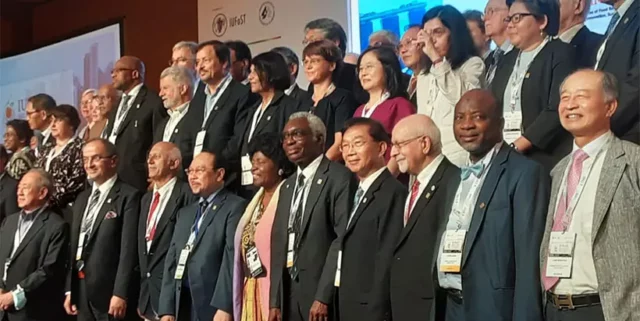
point(487, 262)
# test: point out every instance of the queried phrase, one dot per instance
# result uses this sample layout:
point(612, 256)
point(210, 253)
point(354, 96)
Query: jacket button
point(148, 274)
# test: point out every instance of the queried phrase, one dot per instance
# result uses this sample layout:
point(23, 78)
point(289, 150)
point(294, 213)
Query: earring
point(280, 172)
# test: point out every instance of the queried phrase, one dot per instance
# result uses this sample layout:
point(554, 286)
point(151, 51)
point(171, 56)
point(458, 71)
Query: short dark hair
point(270, 145)
point(22, 129)
point(333, 31)
point(222, 51)
point(376, 130)
point(290, 57)
point(540, 9)
point(68, 113)
point(327, 50)
point(272, 70)
point(461, 44)
point(241, 48)
point(475, 16)
point(109, 147)
point(391, 68)
point(4, 155)
point(42, 102)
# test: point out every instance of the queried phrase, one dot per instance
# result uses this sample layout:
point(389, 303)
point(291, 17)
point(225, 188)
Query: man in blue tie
point(487, 264)
point(197, 280)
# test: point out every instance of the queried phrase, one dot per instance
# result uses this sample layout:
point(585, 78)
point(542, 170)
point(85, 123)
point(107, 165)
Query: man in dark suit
point(102, 281)
point(312, 211)
point(620, 56)
point(38, 112)
point(373, 226)
point(176, 90)
point(131, 125)
point(495, 12)
point(240, 61)
point(33, 247)
point(488, 253)
point(293, 62)
point(573, 14)
point(417, 150)
point(158, 211)
point(8, 188)
point(198, 273)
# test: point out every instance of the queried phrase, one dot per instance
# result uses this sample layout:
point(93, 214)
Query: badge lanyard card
point(336, 281)
point(297, 202)
point(253, 259)
point(186, 251)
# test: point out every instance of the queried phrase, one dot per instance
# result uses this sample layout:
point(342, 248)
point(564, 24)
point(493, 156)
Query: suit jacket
point(67, 171)
point(325, 217)
point(540, 98)
point(37, 266)
point(152, 261)
point(621, 57)
point(210, 265)
point(586, 44)
point(334, 110)
point(135, 136)
point(347, 79)
point(8, 196)
point(413, 287)
point(299, 94)
point(500, 270)
point(109, 255)
point(616, 215)
point(367, 248)
point(180, 137)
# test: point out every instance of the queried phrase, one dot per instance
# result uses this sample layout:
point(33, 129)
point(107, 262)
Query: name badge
point(182, 262)
point(451, 259)
point(247, 177)
point(512, 126)
point(560, 261)
point(199, 142)
point(336, 282)
point(292, 241)
point(80, 246)
point(253, 262)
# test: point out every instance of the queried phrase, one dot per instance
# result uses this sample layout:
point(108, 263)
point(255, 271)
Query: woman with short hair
point(17, 139)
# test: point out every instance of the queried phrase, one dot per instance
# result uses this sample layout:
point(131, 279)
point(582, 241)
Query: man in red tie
point(589, 254)
point(416, 148)
point(159, 207)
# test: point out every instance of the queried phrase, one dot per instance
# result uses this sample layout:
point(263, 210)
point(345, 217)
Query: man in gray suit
point(590, 252)
point(197, 281)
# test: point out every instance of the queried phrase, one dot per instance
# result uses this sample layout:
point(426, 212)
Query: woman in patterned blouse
point(17, 137)
point(64, 159)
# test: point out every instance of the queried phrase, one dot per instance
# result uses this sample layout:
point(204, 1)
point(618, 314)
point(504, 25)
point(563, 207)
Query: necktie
point(413, 82)
point(40, 139)
point(612, 24)
point(297, 222)
point(415, 189)
point(201, 211)
point(475, 169)
point(562, 219)
point(91, 212)
point(125, 106)
point(491, 72)
point(150, 220)
point(356, 202)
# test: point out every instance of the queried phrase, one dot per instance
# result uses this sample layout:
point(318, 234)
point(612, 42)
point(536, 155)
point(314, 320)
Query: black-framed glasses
point(517, 17)
point(404, 143)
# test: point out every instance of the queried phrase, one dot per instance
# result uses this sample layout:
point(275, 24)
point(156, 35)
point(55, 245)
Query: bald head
point(418, 125)
point(164, 162)
point(134, 63)
point(482, 98)
point(127, 73)
point(416, 143)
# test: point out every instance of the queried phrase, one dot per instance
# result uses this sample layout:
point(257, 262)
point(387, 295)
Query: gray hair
point(315, 123)
point(174, 154)
point(180, 75)
point(193, 47)
point(89, 91)
point(610, 87)
point(390, 37)
point(44, 180)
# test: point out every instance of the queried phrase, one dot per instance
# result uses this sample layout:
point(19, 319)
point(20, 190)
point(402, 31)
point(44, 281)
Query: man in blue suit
point(198, 272)
point(487, 261)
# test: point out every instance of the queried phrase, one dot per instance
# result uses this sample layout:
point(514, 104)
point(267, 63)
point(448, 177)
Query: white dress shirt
point(165, 194)
point(583, 272)
point(568, 35)
point(364, 185)
point(621, 11)
point(309, 172)
point(175, 116)
point(120, 111)
point(424, 177)
point(105, 188)
point(289, 90)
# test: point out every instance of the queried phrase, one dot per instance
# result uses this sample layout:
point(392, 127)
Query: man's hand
point(319, 312)
point(275, 315)
point(6, 301)
point(522, 144)
point(222, 316)
point(117, 307)
point(168, 318)
point(70, 308)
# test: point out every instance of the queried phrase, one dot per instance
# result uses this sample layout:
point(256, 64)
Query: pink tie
point(562, 219)
point(415, 188)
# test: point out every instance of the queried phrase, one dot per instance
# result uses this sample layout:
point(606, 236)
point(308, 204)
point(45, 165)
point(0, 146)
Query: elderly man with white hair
point(384, 38)
point(86, 101)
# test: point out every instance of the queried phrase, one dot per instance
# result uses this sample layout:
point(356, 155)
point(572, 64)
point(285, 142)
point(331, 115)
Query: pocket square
point(110, 215)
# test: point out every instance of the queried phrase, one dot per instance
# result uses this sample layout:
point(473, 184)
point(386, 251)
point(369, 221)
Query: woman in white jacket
point(453, 68)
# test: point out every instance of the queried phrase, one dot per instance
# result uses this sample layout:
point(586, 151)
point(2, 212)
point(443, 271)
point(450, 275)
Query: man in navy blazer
point(487, 262)
point(198, 272)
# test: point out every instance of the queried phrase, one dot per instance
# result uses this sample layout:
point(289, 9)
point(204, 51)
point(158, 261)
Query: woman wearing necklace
point(251, 272)
point(322, 62)
point(381, 76)
point(527, 82)
point(17, 137)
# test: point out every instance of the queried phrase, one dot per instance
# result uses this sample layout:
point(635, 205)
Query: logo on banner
point(266, 13)
point(219, 25)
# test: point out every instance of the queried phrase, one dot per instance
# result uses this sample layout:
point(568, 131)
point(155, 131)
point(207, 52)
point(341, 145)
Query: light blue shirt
point(212, 98)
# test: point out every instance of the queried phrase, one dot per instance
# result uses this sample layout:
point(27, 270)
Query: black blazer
point(413, 283)
point(135, 136)
point(621, 57)
point(540, 99)
point(180, 137)
point(325, 217)
point(334, 110)
point(38, 266)
point(8, 196)
point(110, 255)
point(367, 250)
point(298, 94)
point(586, 44)
point(347, 79)
point(152, 261)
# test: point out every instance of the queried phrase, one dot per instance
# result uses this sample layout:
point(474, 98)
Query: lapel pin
point(428, 195)
point(626, 20)
point(215, 207)
point(135, 124)
point(138, 106)
point(527, 75)
point(482, 205)
point(433, 188)
point(319, 181)
point(287, 185)
point(215, 108)
point(109, 201)
point(268, 118)
point(364, 200)
point(176, 131)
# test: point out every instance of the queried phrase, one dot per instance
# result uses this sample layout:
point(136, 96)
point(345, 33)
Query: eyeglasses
point(94, 158)
point(404, 143)
point(367, 68)
point(308, 41)
point(408, 44)
point(357, 145)
point(488, 12)
point(312, 61)
point(196, 171)
point(175, 61)
point(29, 113)
point(517, 17)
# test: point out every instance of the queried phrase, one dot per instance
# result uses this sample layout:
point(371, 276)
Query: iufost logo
point(219, 25)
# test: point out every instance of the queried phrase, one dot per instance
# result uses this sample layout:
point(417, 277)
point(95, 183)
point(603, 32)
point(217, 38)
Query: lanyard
point(213, 99)
point(298, 200)
point(256, 118)
point(366, 112)
point(517, 79)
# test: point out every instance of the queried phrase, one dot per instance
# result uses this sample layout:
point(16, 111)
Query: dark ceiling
point(10, 9)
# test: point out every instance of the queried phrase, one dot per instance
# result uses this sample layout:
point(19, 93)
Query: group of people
point(487, 185)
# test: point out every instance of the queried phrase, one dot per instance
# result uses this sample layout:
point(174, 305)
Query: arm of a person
point(454, 84)
point(53, 263)
point(532, 198)
point(128, 247)
point(626, 116)
point(223, 294)
point(167, 298)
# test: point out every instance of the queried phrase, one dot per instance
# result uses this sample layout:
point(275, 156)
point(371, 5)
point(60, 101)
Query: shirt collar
point(106, 186)
point(366, 183)
point(211, 197)
point(166, 188)
point(47, 131)
point(486, 160)
point(289, 90)
point(624, 7)
point(207, 90)
point(182, 109)
point(134, 92)
point(593, 148)
point(570, 33)
point(31, 215)
point(425, 174)
point(245, 81)
point(310, 170)
point(506, 46)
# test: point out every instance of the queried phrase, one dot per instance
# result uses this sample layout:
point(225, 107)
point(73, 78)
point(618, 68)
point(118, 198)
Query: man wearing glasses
point(495, 27)
point(412, 57)
point(38, 112)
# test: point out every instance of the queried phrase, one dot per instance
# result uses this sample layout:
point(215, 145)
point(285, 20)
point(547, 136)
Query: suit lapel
point(104, 209)
point(38, 224)
point(486, 193)
point(214, 208)
point(131, 113)
point(145, 206)
point(612, 171)
point(268, 114)
point(618, 33)
point(167, 214)
point(222, 101)
point(367, 199)
point(317, 185)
